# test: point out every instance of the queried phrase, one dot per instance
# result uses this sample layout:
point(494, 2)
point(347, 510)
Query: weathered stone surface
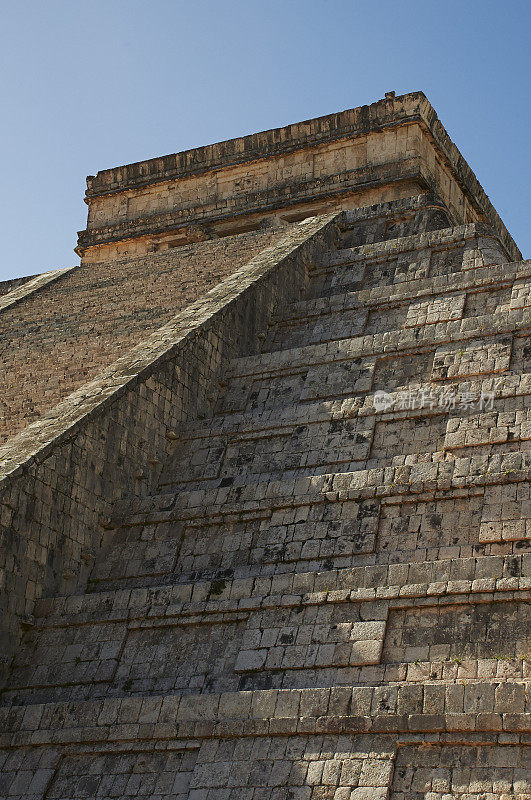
point(278, 550)
point(392, 149)
point(65, 333)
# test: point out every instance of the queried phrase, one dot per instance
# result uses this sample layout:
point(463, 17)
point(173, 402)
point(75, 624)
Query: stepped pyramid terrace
point(264, 479)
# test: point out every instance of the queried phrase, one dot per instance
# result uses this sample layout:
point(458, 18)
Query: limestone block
point(470, 771)
point(499, 631)
point(472, 358)
point(521, 295)
point(313, 638)
point(490, 428)
point(437, 309)
point(345, 378)
point(506, 514)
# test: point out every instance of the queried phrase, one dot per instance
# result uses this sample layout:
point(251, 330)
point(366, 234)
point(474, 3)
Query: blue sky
point(86, 86)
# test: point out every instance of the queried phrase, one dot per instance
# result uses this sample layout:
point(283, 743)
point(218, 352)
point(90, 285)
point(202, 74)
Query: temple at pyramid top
point(391, 149)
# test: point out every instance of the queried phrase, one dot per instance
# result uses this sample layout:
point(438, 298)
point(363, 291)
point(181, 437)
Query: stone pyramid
point(282, 541)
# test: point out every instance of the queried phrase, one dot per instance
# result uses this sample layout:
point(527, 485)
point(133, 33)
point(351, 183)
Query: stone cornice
point(258, 202)
point(266, 144)
point(381, 115)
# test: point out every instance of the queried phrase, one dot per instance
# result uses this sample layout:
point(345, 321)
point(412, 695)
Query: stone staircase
point(332, 571)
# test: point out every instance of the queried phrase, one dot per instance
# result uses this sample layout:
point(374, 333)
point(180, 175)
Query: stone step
point(332, 741)
point(413, 304)
point(348, 446)
point(461, 350)
point(478, 234)
point(433, 254)
point(474, 707)
point(475, 331)
point(279, 640)
point(318, 444)
point(343, 435)
point(460, 397)
point(411, 476)
point(296, 526)
point(466, 242)
point(364, 584)
point(486, 278)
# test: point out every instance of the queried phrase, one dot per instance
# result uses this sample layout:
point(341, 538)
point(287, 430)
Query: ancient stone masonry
point(278, 549)
point(14, 283)
point(81, 319)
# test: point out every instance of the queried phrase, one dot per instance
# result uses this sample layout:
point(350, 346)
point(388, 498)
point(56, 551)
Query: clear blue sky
point(91, 85)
